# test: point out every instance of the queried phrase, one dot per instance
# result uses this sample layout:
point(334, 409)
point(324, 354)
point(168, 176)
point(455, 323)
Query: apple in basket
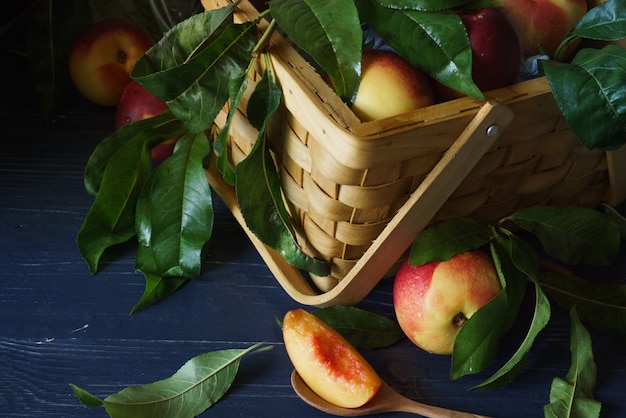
point(102, 57)
point(496, 51)
point(541, 25)
point(432, 301)
point(327, 362)
point(389, 86)
point(137, 103)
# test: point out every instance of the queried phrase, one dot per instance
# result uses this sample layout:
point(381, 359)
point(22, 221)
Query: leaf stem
point(265, 37)
point(259, 347)
point(564, 46)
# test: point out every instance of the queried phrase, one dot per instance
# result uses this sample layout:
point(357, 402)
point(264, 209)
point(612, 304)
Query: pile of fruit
point(446, 49)
point(459, 47)
point(504, 41)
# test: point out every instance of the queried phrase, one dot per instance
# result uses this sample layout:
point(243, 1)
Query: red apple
point(432, 301)
point(389, 86)
point(137, 103)
point(102, 57)
point(496, 51)
point(541, 25)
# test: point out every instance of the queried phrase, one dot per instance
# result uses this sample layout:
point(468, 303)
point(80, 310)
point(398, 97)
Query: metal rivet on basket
point(493, 130)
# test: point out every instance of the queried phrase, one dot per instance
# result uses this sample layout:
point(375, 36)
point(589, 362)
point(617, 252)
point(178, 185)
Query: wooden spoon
point(386, 400)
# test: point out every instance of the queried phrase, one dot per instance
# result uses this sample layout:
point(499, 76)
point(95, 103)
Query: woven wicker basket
point(361, 192)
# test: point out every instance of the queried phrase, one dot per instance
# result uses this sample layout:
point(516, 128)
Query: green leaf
point(602, 305)
point(604, 22)
point(174, 215)
point(258, 190)
point(423, 5)
point(50, 37)
point(435, 42)
point(154, 130)
point(263, 102)
point(111, 218)
point(541, 317)
point(572, 235)
point(516, 263)
point(524, 257)
point(237, 88)
point(526, 261)
point(572, 396)
point(441, 241)
point(329, 31)
point(195, 387)
point(476, 344)
point(157, 288)
point(362, 329)
point(618, 218)
point(599, 121)
point(190, 67)
point(86, 398)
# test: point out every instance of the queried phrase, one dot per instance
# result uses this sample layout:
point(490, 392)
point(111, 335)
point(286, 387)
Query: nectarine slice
point(327, 363)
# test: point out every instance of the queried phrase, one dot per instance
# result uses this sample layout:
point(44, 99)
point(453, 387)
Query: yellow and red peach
point(541, 25)
point(102, 57)
point(327, 362)
point(389, 86)
point(432, 301)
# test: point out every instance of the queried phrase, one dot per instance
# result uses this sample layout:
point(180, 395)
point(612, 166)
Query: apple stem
point(459, 319)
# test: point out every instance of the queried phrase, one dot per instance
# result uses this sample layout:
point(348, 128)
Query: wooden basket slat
point(348, 184)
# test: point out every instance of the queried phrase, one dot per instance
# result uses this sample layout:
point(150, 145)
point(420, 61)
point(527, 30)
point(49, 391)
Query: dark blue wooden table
point(60, 325)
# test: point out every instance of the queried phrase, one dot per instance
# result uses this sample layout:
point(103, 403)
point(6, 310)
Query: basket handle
point(416, 213)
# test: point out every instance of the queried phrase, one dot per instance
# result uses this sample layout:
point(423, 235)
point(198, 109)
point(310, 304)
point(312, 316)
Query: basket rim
point(285, 59)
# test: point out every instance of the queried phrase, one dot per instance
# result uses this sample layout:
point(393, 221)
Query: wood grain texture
point(60, 325)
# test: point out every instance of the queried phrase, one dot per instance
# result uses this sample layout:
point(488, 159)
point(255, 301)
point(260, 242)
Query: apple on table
point(102, 56)
point(432, 301)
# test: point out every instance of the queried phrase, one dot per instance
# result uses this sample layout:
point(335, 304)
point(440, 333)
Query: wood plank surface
point(60, 325)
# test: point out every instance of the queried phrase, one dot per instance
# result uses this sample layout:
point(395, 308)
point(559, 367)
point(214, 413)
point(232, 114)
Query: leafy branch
point(571, 236)
point(202, 63)
point(598, 75)
point(572, 396)
point(196, 386)
point(168, 208)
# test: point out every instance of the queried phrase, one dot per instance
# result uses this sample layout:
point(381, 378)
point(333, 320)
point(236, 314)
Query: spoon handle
point(430, 411)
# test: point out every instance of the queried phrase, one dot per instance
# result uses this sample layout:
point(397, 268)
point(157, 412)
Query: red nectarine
point(541, 25)
point(102, 57)
point(137, 103)
point(432, 301)
point(496, 51)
